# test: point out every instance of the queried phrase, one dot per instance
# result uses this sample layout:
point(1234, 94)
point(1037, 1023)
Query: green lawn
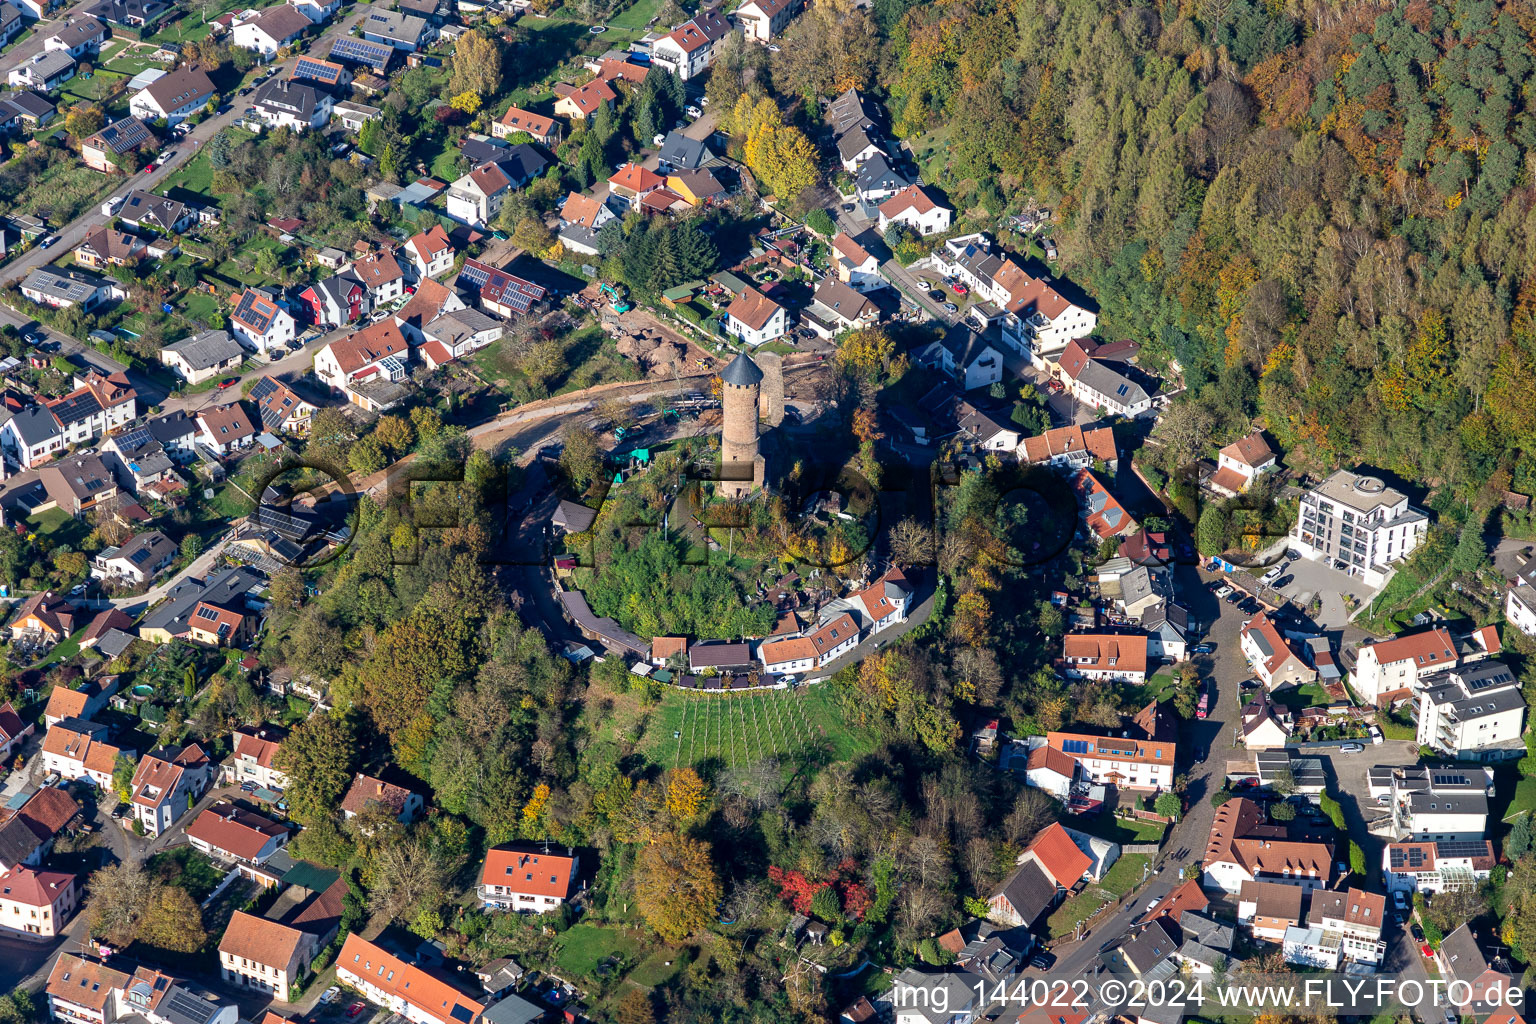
point(183, 866)
point(584, 946)
point(1394, 729)
point(1524, 800)
point(61, 527)
point(655, 969)
point(1309, 695)
point(636, 16)
point(199, 306)
point(689, 728)
point(1117, 829)
point(1159, 687)
point(90, 89)
point(1119, 880)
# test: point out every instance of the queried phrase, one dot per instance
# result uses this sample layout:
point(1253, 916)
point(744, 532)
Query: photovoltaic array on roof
point(316, 70)
point(1412, 857)
point(1462, 848)
point(375, 55)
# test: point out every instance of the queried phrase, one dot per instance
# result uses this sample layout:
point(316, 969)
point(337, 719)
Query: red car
point(228, 382)
point(1428, 953)
point(355, 1009)
point(959, 289)
point(148, 168)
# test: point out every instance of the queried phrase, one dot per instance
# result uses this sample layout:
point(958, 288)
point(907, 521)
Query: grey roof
point(1358, 492)
point(877, 174)
point(26, 103)
point(679, 150)
point(512, 1010)
point(287, 96)
point(394, 26)
point(207, 350)
point(1150, 948)
point(1441, 803)
point(1461, 954)
point(114, 642)
point(457, 325)
point(36, 424)
point(173, 428)
point(942, 997)
point(147, 549)
point(1200, 953)
point(850, 111)
point(1030, 892)
point(51, 63)
point(841, 299)
point(719, 655)
point(854, 142)
point(227, 587)
point(573, 517)
point(1106, 380)
point(17, 842)
point(522, 162)
point(1208, 931)
point(610, 631)
point(64, 285)
point(742, 372)
point(1474, 691)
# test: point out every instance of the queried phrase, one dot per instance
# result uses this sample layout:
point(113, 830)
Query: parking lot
point(1315, 578)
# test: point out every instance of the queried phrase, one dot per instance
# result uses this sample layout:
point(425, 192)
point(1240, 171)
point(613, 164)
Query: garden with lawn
point(1123, 876)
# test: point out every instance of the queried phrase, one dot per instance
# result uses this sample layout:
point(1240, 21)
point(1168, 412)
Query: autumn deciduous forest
point(1320, 211)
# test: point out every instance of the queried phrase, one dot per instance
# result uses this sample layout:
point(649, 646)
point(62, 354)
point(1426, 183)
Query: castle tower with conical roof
point(741, 464)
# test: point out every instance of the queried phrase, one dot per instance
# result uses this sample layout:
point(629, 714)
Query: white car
point(1375, 732)
point(693, 111)
point(330, 994)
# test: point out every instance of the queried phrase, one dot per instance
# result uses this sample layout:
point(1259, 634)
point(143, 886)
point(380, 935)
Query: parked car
point(1399, 900)
point(959, 288)
point(1283, 581)
point(1415, 931)
point(355, 1009)
point(1043, 961)
point(228, 382)
point(330, 994)
point(1375, 733)
point(1292, 555)
point(1205, 648)
point(1352, 748)
point(950, 307)
point(693, 111)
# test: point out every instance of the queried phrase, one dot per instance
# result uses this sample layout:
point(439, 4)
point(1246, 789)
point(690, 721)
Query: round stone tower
point(741, 466)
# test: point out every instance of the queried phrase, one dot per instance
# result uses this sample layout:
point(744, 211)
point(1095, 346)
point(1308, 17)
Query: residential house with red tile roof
point(631, 181)
point(165, 784)
point(755, 318)
point(1240, 463)
point(1123, 761)
point(500, 293)
point(264, 955)
point(1272, 657)
point(84, 990)
point(1431, 867)
point(762, 20)
point(1110, 657)
point(386, 980)
point(527, 877)
point(541, 129)
point(1244, 847)
point(255, 748)
point(854, 264)
point(261, 323)
point(581, 102)
point(36, 902)
point(225, 428)
point(1072, 447)
point(279, 408)
point(367, 791)
point(1099, 382)
point(432, 300)
point(915, 208)
point(378, 351)
point(12, 729)
point(430, 251)
point(1102, 511)
point(232, 834)
point(44, 618)
point(1389, 670)
point(690, 48)
point(80, 753)
point(381, 274)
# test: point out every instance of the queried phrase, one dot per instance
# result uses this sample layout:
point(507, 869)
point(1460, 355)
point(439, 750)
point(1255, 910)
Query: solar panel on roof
point(1462, 848)
point(376, 55)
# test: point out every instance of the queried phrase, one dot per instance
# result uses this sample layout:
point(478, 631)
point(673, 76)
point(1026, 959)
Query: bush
point(1221, 796)
point(820, 221)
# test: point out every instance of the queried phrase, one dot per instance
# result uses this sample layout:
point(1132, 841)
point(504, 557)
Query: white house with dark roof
point(292, 104)
point(48, 70)
point(203, 356)
point(1472, 713)
point(405, 32)
point(145, 211)
point(78, 37)
point(258, 321)
point(269, 30)
point(174, 97)
point(61, 289)
point(137, 560)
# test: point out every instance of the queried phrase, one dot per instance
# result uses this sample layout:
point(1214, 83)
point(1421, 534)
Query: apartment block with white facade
point(1358, 524)
point(1472, 713)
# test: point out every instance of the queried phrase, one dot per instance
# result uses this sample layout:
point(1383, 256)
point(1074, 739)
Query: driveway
point(1317, 579)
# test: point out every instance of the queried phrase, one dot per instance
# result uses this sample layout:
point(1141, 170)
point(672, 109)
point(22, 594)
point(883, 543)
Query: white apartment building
point(386, 980)
point(1472, 713)
point(1520, 604)
point(1358, 524)
point(1389, 671)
